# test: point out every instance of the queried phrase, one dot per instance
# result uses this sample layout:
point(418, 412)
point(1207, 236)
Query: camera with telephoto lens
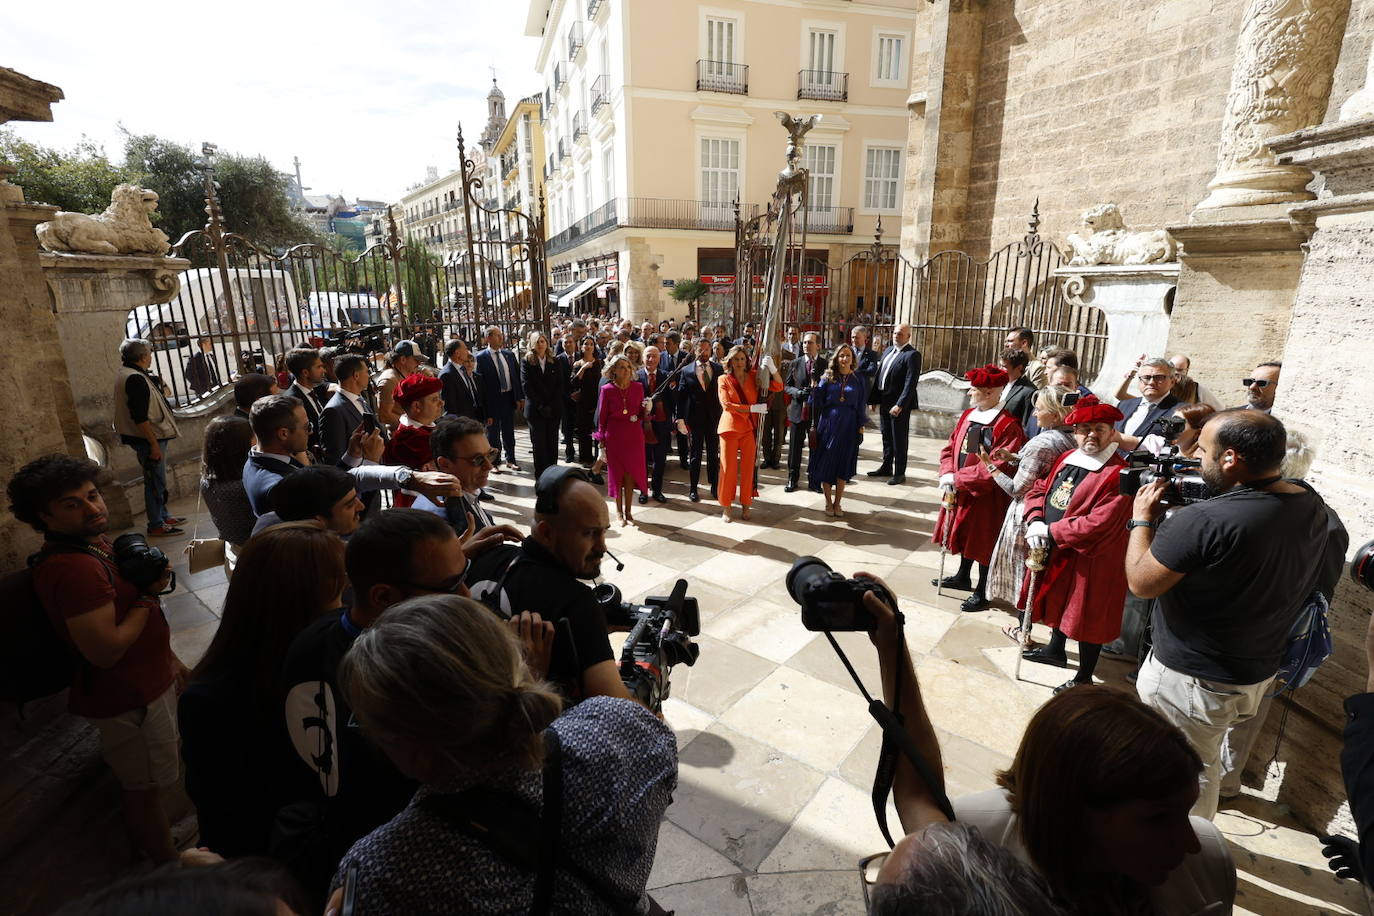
point(1362, 567)
point(661, 632)
point(1185, 484)
point(828, 600)
point(138, 563)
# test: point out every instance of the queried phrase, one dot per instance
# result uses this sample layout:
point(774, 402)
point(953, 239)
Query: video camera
point(661, 632)
point(363, 341)
point(828, 600)
point(1143, 467)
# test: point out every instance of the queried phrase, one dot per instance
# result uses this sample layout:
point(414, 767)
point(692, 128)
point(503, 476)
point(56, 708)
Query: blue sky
point(366, 94)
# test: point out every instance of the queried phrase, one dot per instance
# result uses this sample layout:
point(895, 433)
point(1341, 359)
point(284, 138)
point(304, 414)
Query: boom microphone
point(619, 566)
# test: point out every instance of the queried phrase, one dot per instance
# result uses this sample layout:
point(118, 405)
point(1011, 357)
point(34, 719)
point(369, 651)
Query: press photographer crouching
point(1091, 816)
point(1232, 573)
point(520, 809)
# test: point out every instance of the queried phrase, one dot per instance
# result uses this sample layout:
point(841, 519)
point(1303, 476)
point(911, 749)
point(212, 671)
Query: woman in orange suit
point(742, 408)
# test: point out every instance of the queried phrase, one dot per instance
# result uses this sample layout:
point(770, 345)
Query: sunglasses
point(448, 587)
point(482, 460)
point(1153, 378)
point(1256, 382)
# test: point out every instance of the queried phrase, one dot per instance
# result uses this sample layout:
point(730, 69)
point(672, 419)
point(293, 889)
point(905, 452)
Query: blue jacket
point(491, 378)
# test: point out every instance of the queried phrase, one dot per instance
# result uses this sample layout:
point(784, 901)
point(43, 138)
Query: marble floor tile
point(815, 722)
point(190, 644)
point(764, 627)
point(738, 795)
point(743, 568)
point(682, 858)
point(185, 611)
point(720, 677)
point(818, 659)
point(818, 893)
point(685, 720)
point(976, 705)
point(834, 831)
point(711, 897)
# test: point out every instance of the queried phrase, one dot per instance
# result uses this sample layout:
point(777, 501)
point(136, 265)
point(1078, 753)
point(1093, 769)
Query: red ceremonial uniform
point(980, 504)
point(1083, 587)
point(409, 446)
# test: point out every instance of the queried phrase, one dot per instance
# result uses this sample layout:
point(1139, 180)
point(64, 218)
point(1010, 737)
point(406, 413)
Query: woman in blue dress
point(838, 406)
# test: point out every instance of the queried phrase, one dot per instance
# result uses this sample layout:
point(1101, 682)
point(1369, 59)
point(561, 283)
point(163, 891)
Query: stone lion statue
point(1104, 239)
point(126, 227)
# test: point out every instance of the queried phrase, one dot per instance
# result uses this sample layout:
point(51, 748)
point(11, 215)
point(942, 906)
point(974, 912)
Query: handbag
point(203, 553)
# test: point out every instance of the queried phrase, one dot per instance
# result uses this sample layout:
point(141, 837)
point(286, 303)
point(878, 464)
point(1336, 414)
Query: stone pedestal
point(91, 296)
point(1137, 300)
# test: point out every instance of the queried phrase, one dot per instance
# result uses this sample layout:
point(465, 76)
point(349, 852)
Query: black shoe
point(568, 458)
point(484, 496)
point(880, 472)
point(512, 465)
point(814, 488)
point(643, 498)
point(974, 602)
point(660, 498)
point(597, 479)
point(954, 582)
point(1069, 685)
point(682, 463)
point(1042, 656)
point(694, 496)
point(791, 487)
point(896, 481)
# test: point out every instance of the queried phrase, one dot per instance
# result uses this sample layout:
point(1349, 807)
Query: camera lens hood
point(1362, 566)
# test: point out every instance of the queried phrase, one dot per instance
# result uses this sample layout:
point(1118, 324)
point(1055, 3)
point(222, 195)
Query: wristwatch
point(1140, 523)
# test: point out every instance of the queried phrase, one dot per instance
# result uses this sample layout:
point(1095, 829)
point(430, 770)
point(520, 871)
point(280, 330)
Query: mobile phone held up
point(976, 439)
point(350, 897)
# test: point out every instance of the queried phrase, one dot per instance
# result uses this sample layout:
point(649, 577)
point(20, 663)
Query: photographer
point(125, 677)
point(508, 785)
point(1231, 574)
point(543, 575)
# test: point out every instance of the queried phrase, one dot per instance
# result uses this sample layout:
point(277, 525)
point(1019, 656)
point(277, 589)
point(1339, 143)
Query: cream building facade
point(431, 213)
point(659, 115)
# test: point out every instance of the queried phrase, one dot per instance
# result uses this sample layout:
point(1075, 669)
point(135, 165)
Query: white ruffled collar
point(984, 416)
point(1088, 462)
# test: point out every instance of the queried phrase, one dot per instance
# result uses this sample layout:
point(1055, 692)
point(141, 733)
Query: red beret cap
point(987, 377)
point(416, 386)
point(1091, 410)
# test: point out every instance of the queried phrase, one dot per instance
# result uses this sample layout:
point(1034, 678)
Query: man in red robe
point(971, 529)
point(1079, 514)
point(421, 402)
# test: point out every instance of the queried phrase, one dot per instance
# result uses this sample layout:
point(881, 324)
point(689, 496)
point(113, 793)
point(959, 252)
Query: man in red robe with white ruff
point(420, 398)
point(979, 503)
point(1079, 513)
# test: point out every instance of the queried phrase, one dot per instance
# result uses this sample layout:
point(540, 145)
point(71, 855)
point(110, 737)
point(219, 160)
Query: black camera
point(828, 600)
point(1185, 484)
point(138, 563)
point(661, 632)
point(1362, 567)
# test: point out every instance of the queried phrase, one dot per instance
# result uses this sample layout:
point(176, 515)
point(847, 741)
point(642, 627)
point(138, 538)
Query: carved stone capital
point(1285, 57)
point(118, 283)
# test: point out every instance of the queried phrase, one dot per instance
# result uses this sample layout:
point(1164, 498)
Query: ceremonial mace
point(1035, 562)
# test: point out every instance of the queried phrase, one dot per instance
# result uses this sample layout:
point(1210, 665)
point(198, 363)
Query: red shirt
point(71, 584)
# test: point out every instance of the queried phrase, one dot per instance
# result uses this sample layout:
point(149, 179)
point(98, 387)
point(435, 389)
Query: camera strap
point(895, 738)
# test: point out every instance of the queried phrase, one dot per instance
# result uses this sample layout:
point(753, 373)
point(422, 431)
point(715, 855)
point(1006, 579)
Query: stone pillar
point(1285, 57)
point(1137, 300)
point(956, 49)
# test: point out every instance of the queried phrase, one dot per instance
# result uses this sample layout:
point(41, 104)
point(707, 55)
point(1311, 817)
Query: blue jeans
point(154, 481)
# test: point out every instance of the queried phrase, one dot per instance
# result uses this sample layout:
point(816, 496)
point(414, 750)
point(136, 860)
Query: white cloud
point(366, 94)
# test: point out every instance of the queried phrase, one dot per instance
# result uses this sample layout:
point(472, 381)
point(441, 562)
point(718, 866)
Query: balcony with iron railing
point(450, 205)
point(509, 163)
point(563, 151)
point(826, 85)
point(579, 127)
point(560, 75)
point(830, 220)
point(722, 76)
point(660, 213)
point(594, 7)
point(600, 92)
point(574, 40)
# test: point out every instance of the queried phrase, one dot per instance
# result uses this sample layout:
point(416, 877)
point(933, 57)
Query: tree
point(690, 292)
point(80, 179)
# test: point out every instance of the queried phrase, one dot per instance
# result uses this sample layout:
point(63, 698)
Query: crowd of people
point(413, 704)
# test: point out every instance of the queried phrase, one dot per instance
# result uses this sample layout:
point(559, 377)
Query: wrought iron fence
point(823, 84)
point(722, 76)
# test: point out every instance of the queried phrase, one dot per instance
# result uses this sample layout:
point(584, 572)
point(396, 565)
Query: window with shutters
point(889, 59)
point(720, 44)
point(719, 171)
point(822, 57)
point(819, 160)
point(882, 178)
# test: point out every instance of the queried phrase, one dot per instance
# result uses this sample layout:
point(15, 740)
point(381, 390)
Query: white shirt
point(1135, 419)
point(888, 357)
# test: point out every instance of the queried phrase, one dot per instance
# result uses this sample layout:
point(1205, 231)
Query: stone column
point(1285, 58)
point(1137, 299)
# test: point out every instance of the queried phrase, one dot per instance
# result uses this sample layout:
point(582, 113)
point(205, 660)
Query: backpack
point(1309, 644)
point(35, 660)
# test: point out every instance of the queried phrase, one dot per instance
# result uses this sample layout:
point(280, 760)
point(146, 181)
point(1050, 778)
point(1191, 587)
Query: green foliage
point(80, 179)
point(689, 290)
point(420, 271)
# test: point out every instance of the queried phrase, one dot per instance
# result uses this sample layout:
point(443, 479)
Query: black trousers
point(704, 439)
point(895, 439)
point(796, 441)
point(656, 454)
point(501, 431)
point(544, 442)
point(774, 421)
point(565, 425)
point(682, 448)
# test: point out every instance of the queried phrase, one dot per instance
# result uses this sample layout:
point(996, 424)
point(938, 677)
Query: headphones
point(550, 483)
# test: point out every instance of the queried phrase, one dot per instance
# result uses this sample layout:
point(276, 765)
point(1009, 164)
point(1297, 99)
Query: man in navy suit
point(499, 373)
point(461, 392)
point(697, 412)
point(866, 365)
point(803, 375)
point(346, 409)
point(655, 382)
point(307, 369)
point(282, 431)
point(899, 370)
point(1156, 378)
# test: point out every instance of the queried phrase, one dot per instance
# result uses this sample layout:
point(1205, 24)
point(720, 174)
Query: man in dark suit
point(802, 375)
point(499, 373)
point(566, 357)
point(462, 395)
point(248, 388)
point(307, 369)
point(866, 365)
point(1018, 398)
point(346, 409)
point(697, 412)
point(201, 372)
point(1156, 378)
point(670, 360)
point(654, 379)
point(898, 372)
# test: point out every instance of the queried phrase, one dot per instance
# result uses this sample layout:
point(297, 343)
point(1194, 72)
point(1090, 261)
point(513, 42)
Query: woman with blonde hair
point(440, 684)
point(621, 410)
point(1035, 460)
point(838, 409)
point(545, 388)
point(743, 406)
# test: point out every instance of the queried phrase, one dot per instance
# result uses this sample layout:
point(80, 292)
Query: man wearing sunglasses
point(461, 448)
point(1156, 378)
point(1261, 387)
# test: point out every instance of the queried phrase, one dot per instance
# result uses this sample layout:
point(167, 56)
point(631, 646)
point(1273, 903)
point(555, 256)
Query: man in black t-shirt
point(542, 575)
point(1231, 575)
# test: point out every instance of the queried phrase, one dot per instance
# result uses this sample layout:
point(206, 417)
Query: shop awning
point(566, 300)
